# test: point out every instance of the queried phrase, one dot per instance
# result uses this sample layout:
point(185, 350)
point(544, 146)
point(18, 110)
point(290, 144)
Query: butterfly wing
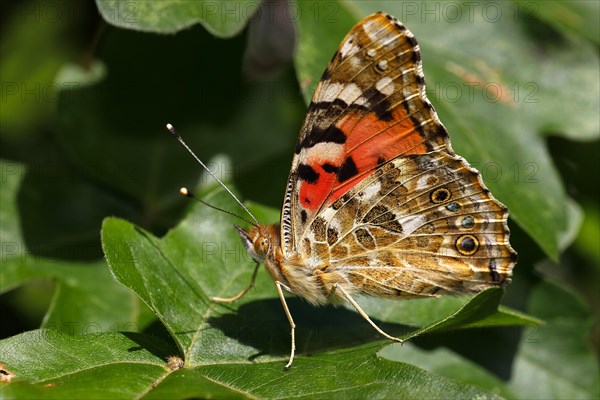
point(370, 115)
point(419, 226)
point(368, 108)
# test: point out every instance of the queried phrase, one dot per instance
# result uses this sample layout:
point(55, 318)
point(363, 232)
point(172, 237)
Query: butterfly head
point(258, 241)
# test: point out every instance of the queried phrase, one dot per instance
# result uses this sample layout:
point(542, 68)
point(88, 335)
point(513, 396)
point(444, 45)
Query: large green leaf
point(557, 356)
point(498, 88)
point(551, 361)
point(47, 364)
point(445, 362)
point(86, 298)
point(223, 18)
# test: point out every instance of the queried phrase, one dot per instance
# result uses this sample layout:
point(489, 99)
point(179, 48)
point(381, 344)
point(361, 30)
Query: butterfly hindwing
point(420, 225)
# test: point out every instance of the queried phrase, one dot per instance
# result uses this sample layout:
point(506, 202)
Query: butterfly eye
point(265, 245)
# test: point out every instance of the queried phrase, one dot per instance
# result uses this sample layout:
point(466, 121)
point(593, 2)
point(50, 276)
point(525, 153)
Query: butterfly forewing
point(369, 108)
point(376, 200)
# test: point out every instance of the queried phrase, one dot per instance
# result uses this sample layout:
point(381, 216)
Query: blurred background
point(82, 137)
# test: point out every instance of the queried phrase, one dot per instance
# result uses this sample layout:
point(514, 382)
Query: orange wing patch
point(371, 142)
point(373, 138)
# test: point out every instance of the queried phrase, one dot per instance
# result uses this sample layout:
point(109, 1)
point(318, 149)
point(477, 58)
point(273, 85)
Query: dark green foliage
point(89, 203)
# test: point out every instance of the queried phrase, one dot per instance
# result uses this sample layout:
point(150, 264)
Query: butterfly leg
point(240, 294)
point(280, 285)
point(363, 313)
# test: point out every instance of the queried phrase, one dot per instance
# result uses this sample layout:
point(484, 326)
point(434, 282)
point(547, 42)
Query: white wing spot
point(385, 85)
point(411, 223)
point(349, 48)
point(371, 30)
point(371, 191)
point(362, 101)
point(324, 152)
point(350, 93)
point(337, 90)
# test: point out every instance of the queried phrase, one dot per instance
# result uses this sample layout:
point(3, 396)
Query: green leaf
point(451, 312)
point(357, 373)
point(176, 276)
point(222, 19)
point(86, 298)
point(465, 56)
point(47, 364)
point(557, 356)
point(447, 363)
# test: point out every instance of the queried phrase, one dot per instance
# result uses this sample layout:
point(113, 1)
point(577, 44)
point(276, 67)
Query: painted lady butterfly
point(377, 203)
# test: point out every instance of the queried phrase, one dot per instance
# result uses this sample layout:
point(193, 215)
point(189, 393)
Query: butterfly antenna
point(187, 193)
